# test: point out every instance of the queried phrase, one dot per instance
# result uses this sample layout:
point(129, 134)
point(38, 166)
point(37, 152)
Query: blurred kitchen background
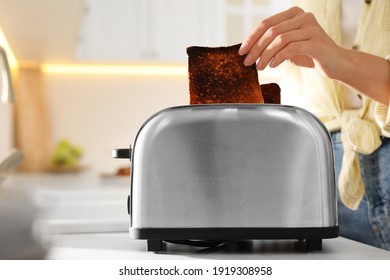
point(91, 72)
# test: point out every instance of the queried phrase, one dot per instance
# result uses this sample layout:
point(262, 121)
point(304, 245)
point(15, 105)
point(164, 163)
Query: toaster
point(231, 172)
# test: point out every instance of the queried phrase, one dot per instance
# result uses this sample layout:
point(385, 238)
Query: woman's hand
point(296, 36)
point(291, 35)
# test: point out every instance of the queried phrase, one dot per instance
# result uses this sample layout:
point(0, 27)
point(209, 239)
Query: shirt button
point(355, 47)
point(368, 1)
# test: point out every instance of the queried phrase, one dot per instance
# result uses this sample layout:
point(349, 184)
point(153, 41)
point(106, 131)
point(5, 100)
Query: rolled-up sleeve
point(382, 115)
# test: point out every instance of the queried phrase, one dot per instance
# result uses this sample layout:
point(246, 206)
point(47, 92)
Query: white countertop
point(84, 216)
point(120, 246)
point(76, 202)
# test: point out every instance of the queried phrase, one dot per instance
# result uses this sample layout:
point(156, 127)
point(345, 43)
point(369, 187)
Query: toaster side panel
point(233, 166)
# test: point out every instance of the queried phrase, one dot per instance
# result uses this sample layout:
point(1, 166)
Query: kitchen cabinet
point(161, 30)
point(241, 16)
point(148, 30)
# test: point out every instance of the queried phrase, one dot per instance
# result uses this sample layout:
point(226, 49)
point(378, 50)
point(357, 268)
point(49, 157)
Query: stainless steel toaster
point(232, 172)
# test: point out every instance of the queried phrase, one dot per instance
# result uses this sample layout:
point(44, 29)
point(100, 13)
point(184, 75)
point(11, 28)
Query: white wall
point(102, 113)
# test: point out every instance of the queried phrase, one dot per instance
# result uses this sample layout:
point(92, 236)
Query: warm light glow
point(167, 70)
point(10, 55)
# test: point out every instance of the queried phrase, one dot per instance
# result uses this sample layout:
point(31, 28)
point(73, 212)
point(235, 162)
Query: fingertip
point(243, 48)
point(273, 64)
point(259, 65)
point(248, 60)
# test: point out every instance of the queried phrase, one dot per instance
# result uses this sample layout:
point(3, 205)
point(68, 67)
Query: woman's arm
point(368, 74)
point(296, 36)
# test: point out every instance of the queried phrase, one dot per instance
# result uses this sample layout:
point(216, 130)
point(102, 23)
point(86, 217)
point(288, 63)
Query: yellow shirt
point(361, 129)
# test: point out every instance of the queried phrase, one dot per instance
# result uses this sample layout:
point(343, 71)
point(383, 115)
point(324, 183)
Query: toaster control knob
point(121, 153)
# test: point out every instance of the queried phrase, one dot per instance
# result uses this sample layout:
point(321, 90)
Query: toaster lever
point(121, 153)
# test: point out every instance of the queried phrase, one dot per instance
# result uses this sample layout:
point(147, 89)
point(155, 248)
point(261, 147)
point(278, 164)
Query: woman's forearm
point(366, 73)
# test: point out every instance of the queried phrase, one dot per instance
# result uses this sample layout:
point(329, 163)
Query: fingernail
point(248, 60)
point(272, 63)
point(259, 65)
point(243, 48)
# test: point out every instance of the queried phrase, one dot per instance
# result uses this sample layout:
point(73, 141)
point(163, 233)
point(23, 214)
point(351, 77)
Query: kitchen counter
point(120, 246)
point(84, 216)
point(78, 202)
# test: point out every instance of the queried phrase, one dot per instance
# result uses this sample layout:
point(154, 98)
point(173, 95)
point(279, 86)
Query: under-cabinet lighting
point(166, 70)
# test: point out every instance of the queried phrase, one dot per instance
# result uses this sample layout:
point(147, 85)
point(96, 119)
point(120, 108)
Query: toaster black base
point(312, 235)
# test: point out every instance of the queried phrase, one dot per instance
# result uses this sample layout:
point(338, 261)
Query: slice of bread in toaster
point(271, 93)
point(218, 75)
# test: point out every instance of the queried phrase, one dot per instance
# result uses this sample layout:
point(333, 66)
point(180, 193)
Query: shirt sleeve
point(382, 115)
